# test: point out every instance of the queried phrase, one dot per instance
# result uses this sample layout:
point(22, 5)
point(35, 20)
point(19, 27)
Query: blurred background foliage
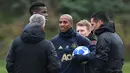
point(14, 16)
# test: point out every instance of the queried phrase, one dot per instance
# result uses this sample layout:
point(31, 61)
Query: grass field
point(126, 68)
point(2, 66)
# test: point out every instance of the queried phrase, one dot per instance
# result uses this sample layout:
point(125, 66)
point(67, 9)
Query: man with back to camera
point(84, 28)
point(31, 52)
point(109, 47)
point(65, 43)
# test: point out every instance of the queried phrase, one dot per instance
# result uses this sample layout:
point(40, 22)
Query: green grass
point(126, 68)
point(2, 66)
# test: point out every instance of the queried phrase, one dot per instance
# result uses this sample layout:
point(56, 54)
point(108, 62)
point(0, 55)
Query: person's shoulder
point(45, 42)
point(105, 35)
point(55, 37)
point(17, 39)
point(27, 25)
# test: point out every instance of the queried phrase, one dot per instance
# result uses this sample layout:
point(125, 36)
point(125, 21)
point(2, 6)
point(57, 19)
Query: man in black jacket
point(31, 52)
point(109, 47)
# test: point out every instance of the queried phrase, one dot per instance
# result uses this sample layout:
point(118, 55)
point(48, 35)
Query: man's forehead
point(81, 27)
point(42, 8)
point(66, 17)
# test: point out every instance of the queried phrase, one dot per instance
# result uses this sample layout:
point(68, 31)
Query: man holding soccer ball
point(109, 47)
point(65, 43)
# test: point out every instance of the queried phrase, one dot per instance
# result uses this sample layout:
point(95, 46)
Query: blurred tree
point(126, 1)
point(11, 9)
point(76, 8)
point(83, 9)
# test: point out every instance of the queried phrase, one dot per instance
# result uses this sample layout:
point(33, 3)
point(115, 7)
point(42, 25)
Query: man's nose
point(62, 24)
point(46, 14)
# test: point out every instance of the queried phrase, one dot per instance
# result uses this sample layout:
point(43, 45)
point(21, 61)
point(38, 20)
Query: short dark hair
point(34, 6)
point(100, 16)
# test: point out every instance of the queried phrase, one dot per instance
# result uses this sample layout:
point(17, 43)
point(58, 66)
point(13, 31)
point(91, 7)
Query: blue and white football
point(81, 50)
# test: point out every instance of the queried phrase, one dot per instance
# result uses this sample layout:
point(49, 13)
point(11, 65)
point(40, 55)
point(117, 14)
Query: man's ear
point(43, 27)
point(100, 21)
point(89, 31)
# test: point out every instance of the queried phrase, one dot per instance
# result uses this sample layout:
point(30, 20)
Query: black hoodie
point(109, 50)
point(31, 53)
point(33, 34)
point(109, 27)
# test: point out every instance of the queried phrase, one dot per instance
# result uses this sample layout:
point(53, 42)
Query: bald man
point(65, 22)
point(66, 41)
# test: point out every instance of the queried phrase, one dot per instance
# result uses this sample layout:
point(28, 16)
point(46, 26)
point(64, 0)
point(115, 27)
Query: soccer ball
point(80, 50)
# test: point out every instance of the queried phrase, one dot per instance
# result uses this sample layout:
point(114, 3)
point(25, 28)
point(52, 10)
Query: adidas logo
point(60, 48)
point(67, 47)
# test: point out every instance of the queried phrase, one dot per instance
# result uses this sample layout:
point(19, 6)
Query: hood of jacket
point(33, 34)
point(107, 27)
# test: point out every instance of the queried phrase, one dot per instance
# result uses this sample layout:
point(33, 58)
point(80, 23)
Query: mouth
point(62, 29)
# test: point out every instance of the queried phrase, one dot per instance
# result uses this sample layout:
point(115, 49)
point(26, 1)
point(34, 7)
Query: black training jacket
point(32, 53)
point(109, 50)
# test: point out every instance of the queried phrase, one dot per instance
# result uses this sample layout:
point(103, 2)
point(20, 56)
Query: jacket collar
point(107, 27)
point(68, 34)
